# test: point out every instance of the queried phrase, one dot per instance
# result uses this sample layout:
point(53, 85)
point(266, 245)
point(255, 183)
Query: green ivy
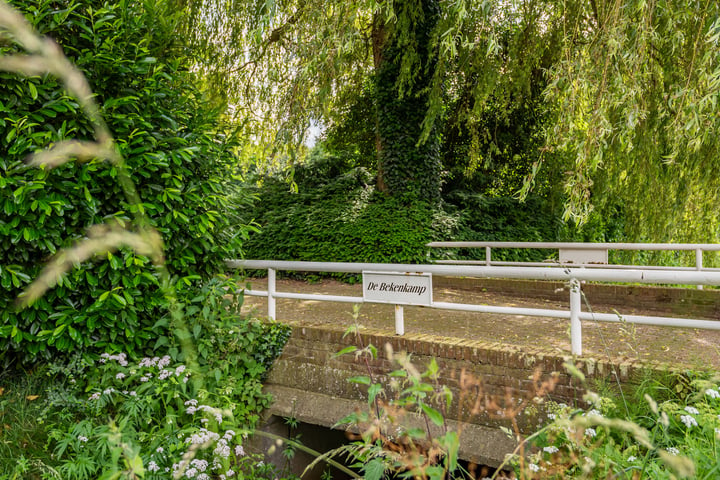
point(407, 163)
point(337, 215)
point(343, 219)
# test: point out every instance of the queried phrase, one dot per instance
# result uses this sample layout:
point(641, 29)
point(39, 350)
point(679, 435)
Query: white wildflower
point(179, 370)
point(94, 396)
point(688, 421)
point(712, 393)
point(160, 450)
point(83, 438)
point(201, 465)
point(222, 449)
point(672, 450)
point(191, 472)
point(692, 410)
point(239, 451)
point(534, 467)
point(120, 376)
point(152, 466)
point(590, 432)
point(551, 449)
point(632, 458)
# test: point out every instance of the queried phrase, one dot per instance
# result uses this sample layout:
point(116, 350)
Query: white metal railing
point(591, 255)
point(572, 275)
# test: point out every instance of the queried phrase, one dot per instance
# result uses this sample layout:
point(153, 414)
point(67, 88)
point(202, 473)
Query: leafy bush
point(342, 219)
point(159, 406)
point(485, 218)
point(233, 357)
point(338, 216)
point(175, 148)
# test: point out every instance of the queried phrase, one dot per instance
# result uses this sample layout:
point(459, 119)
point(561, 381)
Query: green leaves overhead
point(629, 88)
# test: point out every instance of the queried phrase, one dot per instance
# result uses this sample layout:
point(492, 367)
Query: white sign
point(583, 255)
point(398, 288)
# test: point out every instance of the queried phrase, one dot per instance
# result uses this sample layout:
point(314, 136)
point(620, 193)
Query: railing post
point(399, 320)
point(699, 262)
point(271, 293)
point(575, 325)
point(487, 256)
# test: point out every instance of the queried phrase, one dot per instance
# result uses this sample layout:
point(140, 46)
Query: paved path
point(693, 348)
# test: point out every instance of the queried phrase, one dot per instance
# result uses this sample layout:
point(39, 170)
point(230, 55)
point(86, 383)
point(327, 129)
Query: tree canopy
point(630, 86)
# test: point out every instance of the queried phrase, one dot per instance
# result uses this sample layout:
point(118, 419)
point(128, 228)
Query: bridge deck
point(689, 347)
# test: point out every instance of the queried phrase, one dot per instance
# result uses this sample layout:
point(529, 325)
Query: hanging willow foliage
point(632, 84)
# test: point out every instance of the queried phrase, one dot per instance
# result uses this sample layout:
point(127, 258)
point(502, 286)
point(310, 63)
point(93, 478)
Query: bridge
point(502, 331)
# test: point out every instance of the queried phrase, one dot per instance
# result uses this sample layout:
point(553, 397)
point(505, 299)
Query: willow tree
point(632, 84)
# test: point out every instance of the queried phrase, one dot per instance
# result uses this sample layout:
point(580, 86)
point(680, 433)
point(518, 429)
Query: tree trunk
point(404, 165)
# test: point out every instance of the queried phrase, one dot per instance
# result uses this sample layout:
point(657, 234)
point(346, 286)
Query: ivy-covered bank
point(337, 214)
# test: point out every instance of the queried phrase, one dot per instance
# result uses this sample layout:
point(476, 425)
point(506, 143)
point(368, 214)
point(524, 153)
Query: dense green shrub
point(175, 148)
point(343, 219)
point(337, 215)
point(505, 219)
point(159, 406)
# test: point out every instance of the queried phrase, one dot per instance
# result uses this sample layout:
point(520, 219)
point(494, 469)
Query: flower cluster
point(146, 370)
point(192, 407)
point(689, 421)
point(121, 358)
point(222, 458)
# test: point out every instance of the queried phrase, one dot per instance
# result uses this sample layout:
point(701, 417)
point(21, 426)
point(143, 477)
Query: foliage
point(23, 437)
point(177, 152)
point(233, 357)
point(408, 161)
point(342, 218)
point(157, 414)
point(337, 215)
point(630, 87)
point(503, 219)
point(664, 429)
point(67, 405)
point(161, 423)
point(404, 431)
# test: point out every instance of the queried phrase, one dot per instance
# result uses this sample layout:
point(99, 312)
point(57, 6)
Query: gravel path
point(693, 348)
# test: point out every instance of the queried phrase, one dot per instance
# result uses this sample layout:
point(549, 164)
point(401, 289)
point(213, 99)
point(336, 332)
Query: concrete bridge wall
point(310, 383)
